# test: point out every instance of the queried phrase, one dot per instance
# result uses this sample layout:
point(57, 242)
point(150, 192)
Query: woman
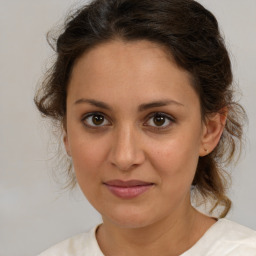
point(142, 90)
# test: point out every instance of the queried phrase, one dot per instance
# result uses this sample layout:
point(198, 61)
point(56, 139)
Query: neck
point(171, 236)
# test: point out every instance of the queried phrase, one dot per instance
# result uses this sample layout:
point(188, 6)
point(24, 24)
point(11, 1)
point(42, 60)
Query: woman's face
point(134, 132)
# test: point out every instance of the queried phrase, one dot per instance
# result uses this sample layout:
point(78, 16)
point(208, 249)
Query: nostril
point(126, 152)
point(124, 167)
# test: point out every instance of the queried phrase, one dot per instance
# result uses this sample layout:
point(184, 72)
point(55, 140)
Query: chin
point(130, 218)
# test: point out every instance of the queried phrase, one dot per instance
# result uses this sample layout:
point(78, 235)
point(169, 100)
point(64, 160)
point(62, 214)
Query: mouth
point(128, 189)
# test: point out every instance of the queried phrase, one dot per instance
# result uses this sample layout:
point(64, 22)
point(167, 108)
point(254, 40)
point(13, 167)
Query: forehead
point(128, 49)
point(116, 53)
point(140, 69)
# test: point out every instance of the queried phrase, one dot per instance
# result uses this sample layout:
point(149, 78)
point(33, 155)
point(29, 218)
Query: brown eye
point(159, 120)
point(95, 120)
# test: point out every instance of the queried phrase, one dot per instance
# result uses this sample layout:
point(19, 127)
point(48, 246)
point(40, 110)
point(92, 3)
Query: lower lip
point(128, 192)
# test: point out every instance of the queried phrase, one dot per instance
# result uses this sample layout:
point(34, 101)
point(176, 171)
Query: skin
point(129, 145)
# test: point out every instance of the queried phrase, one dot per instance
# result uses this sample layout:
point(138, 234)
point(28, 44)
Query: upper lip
point(128, 183)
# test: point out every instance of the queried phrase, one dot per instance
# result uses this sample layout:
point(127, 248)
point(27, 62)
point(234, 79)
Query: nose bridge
point(126, 150)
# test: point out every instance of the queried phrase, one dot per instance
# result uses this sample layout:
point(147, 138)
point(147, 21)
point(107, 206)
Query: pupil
point(159, 120)
point(97, 119)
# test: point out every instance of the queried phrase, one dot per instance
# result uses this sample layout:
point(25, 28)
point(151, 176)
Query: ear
point(66, 144)
point(212, 130)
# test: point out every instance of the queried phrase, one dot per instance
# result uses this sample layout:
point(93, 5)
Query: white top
point(224, 238)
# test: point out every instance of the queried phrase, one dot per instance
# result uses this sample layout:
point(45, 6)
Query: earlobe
point(212, 131)
point(66, 144)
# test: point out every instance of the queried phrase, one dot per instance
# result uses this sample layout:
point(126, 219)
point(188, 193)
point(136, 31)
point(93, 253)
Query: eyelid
point(151, 115)
point(167, 116)
point(90, 114)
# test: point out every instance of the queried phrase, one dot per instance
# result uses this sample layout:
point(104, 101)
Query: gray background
point(34, 212)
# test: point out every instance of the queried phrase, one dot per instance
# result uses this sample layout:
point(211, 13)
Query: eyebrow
point(142, 107)
point(92, 102)
point(160, 103)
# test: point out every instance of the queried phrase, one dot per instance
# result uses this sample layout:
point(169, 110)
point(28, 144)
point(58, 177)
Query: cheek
point(88, 156)
point(176, 161)
point(88, 162)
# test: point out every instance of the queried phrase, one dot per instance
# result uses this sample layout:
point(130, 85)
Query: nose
point(126, 151)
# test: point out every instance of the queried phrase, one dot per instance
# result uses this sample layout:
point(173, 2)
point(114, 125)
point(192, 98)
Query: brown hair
point(191, 35)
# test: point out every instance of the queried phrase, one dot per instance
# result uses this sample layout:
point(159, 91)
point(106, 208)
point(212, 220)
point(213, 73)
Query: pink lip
point(127, 189)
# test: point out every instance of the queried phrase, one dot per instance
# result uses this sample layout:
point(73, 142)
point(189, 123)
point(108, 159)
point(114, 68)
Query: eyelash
point(151, 115)
point(87, 116)
point(168, 118)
